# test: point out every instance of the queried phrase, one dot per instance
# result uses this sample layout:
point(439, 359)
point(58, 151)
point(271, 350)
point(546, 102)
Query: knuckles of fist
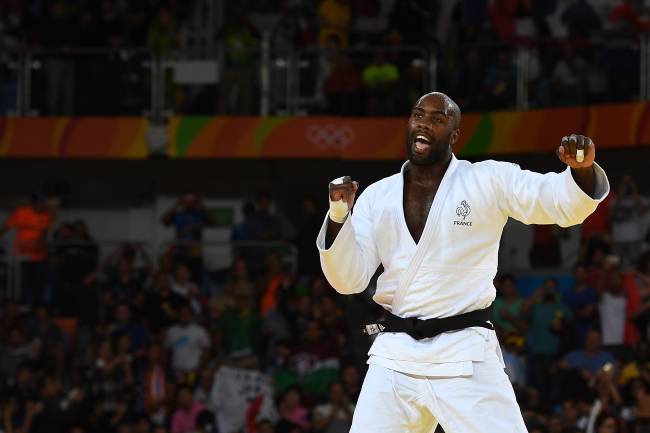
point(575, 147)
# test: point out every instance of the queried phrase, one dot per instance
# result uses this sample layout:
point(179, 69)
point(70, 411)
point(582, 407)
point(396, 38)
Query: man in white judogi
point(435, 227)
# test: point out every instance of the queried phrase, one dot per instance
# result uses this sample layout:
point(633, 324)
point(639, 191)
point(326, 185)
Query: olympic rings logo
point(330, 136)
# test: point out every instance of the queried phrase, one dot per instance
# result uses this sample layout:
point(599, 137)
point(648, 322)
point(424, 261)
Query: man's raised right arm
point(345, 242)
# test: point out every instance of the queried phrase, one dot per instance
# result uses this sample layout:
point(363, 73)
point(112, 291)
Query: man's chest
point(417, 205)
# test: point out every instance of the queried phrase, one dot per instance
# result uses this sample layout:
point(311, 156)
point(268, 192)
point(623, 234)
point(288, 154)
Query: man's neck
point(429, 174)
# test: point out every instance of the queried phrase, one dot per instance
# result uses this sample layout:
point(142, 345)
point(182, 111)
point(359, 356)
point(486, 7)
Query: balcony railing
point(264, 80)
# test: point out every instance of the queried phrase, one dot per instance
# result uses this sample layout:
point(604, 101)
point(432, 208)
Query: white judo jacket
point(451, 269)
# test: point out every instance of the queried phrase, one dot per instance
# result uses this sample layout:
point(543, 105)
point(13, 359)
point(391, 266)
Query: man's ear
point(455, 134)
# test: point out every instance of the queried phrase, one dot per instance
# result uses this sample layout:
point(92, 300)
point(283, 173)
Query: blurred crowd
point(132, 342)
point(349, 57)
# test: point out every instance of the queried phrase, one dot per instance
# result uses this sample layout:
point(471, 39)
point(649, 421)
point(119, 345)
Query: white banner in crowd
point(238, 394)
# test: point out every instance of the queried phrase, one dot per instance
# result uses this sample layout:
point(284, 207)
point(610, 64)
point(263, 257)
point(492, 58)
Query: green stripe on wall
point(265, 128)
point(479, 144)
point(188, 129)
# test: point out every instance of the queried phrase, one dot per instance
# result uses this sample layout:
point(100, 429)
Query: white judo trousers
point(396, 402)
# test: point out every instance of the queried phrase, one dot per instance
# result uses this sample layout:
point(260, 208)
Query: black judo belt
point(428, 328)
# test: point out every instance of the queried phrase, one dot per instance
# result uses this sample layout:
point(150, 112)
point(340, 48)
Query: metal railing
point(266, 80)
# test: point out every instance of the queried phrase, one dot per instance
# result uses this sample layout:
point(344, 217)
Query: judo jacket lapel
point(431, 229)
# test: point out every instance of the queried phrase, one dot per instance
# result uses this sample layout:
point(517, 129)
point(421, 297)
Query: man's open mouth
point(421, 143)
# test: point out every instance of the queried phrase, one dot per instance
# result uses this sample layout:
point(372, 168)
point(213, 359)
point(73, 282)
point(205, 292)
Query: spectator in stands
point(627, 19)
point(163, 304)
point(641, 394)
point(380, 79)
point(155, 383)
point(10, 318)
point(32, 409)
point(274, 279)
point(582, 299)
point(292, 411)
point(639, 367)
point(125, 282)
point(514, 359)
point(111, 23)
point(74, 258)
point(591, 359)
point(414, 21)
point(240, 326)
point(278, 284)
point(474, 18)
point(203, 391)
point(136, 17)
point(507, 308)
point(639, 302)
point(111, 381)
point(128, 267)
point(546, 251)
point(52, 417)
point(627, 210)
point(335, 416)
point(569, 77)
point(32, 223)
point(245, 232)
point(237, 89)
point(162, 34)
point(238, 279)
point(50, 337)
point(124, 324)
point(265, 426)
point(642, 272)
point(19, 351)
point(330, 314)
point(315, 359)
point(342, 86)
point(13, 25)
point(294, 29)
point(334, 18)
point(625, 15)
point(500, 82)
point(189, 216)
point(183, 285)
point(606, 422)
point(581, 20)
point(469, 86)
point(600, 265)
point(184, 418)
point(351, 381)
point(58, 34)
point(267, 226)
point(612, 308)
point(187, 341)
point(205, 422)
point(550, 320)
point(503, 17)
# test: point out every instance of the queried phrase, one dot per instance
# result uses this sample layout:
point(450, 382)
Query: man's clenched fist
point(341, 191)
point(577, 151)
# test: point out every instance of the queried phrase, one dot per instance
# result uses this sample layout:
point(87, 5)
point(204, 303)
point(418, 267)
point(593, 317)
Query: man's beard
point(438, 151)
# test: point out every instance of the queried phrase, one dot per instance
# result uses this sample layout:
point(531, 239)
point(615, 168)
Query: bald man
point(435, 227)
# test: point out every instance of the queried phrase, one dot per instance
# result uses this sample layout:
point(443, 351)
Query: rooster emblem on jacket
point(463, 210)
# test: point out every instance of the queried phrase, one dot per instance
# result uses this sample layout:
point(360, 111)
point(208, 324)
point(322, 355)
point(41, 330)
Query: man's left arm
point(565, 198)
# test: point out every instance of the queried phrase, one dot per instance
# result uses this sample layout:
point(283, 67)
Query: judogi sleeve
point(551, 198)
point(352, 259)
